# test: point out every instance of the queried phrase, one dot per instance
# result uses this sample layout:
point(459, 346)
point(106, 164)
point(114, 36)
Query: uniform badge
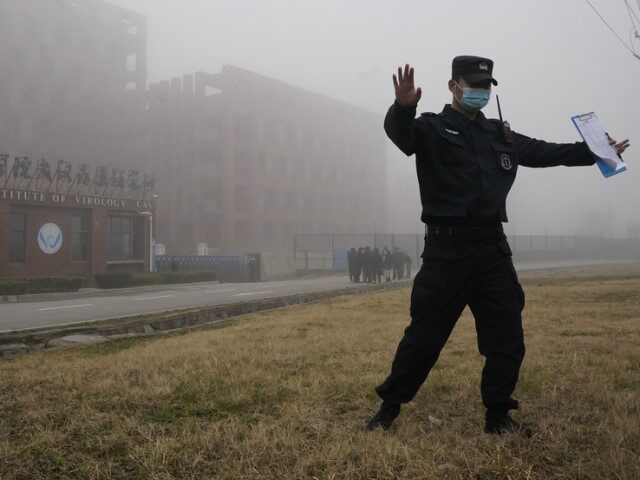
point(505, 162)
point(483, 66)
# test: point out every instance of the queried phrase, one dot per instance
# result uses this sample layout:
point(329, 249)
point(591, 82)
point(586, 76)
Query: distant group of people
point(368, 266)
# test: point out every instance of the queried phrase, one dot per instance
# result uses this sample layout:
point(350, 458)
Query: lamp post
point(150, 216)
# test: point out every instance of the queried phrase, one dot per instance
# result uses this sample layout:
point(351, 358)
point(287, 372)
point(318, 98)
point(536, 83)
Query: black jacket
point(465, 169)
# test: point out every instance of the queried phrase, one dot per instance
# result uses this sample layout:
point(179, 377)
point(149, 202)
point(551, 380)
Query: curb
point(95, 292)
point(92, 292)
point(85, 333)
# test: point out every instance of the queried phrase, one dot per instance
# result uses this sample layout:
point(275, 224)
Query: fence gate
point(329, 251)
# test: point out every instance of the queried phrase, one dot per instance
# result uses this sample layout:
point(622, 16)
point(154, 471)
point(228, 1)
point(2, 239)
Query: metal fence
point(227, 269)
point(329, 251)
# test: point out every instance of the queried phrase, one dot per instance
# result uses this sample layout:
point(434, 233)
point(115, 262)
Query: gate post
point(333, 251)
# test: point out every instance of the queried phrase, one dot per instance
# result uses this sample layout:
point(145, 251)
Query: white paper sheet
point(597, 140)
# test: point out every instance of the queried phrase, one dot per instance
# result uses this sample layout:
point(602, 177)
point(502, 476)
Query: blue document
point(597, 139)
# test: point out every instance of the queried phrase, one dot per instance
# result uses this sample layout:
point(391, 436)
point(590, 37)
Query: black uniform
point(350, 261)
point(387, 263)
point(378, 265)
point(465, 170)
point(396, 260)
point(366, 265)
point(357, 265)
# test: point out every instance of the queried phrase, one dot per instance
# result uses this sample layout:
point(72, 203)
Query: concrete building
point(73, 82)
point(72, 88)
point(244, 162)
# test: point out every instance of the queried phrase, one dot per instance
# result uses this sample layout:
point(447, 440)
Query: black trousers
point(455, 273)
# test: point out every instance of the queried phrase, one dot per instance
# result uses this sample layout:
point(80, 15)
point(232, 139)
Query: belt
point(460, 231)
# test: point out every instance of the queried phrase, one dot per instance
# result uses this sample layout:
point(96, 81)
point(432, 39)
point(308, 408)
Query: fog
point(552, 60)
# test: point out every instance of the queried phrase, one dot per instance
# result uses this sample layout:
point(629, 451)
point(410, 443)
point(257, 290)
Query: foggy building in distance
point(404, 193)
point(73, 81)
point(244, 161)
point(73, 124)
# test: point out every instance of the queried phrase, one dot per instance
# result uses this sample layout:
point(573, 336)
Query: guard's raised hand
point(406, 93)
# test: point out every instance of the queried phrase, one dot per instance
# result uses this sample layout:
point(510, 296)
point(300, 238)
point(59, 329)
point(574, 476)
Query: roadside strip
point(83, 333)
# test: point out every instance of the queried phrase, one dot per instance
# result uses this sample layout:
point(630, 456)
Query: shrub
point(25, 286)
point(112, 280)
point(123, 280)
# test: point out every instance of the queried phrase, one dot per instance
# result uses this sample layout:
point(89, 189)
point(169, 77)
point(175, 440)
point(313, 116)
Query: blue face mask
point(474, 99)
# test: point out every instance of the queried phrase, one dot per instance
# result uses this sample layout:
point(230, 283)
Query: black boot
point(385, 416)
point(499, 424)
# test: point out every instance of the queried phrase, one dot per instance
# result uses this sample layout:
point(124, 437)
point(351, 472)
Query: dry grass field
point(285, 395)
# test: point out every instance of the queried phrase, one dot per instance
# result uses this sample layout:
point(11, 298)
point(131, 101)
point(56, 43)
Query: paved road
point(18, 316)
point(25, 315)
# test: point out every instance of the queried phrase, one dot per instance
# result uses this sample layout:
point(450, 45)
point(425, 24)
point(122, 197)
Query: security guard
point(466, 165)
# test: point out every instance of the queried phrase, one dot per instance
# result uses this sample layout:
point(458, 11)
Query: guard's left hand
point(620, 147)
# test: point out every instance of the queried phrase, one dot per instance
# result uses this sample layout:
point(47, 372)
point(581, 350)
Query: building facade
point(45, 232)
point(244, 162)
point(73, 82)
point(72, 91)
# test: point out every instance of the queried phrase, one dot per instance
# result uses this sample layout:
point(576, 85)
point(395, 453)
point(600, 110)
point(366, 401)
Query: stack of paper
point(597, 140)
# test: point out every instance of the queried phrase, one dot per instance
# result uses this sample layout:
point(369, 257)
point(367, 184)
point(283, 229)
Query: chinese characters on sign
point(21, 173)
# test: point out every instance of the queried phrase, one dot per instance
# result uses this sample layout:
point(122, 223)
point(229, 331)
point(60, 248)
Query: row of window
point(22, 27)
point(269, 131)
point(263, 167)
point(342, 171)
point(124, 236)
point(20, 95)
point(270, 230)
point(272, 199)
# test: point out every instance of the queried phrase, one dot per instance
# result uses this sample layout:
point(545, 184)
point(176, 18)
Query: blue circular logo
point(50, 238)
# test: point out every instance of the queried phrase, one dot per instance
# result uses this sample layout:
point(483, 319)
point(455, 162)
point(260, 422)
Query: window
point(291, 201)
point(270, 202)
point(279, 132)
point(132, 62)
point(242, 198)
point(269, 164)
point(268, 230)
point(289, 133)
point(26, 130)
point(20, 59)
point(45, 99)
point(283, 165)
point(241, 128)
point(242, 164)
point(260, 133)
point(309, 202)
point(125, 238)
point(80, 237)
point(262, 161)
point(15, 95)
point(18, 237)
point(242, 230)
point(29, 95)
point(18, 28)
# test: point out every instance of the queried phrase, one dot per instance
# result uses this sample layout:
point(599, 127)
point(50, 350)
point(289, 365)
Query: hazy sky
point(553, 59)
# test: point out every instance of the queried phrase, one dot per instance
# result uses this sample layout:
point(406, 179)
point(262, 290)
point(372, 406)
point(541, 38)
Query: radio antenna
point(499, 109)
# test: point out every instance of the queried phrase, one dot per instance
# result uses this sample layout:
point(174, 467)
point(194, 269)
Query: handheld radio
point(507, 135)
